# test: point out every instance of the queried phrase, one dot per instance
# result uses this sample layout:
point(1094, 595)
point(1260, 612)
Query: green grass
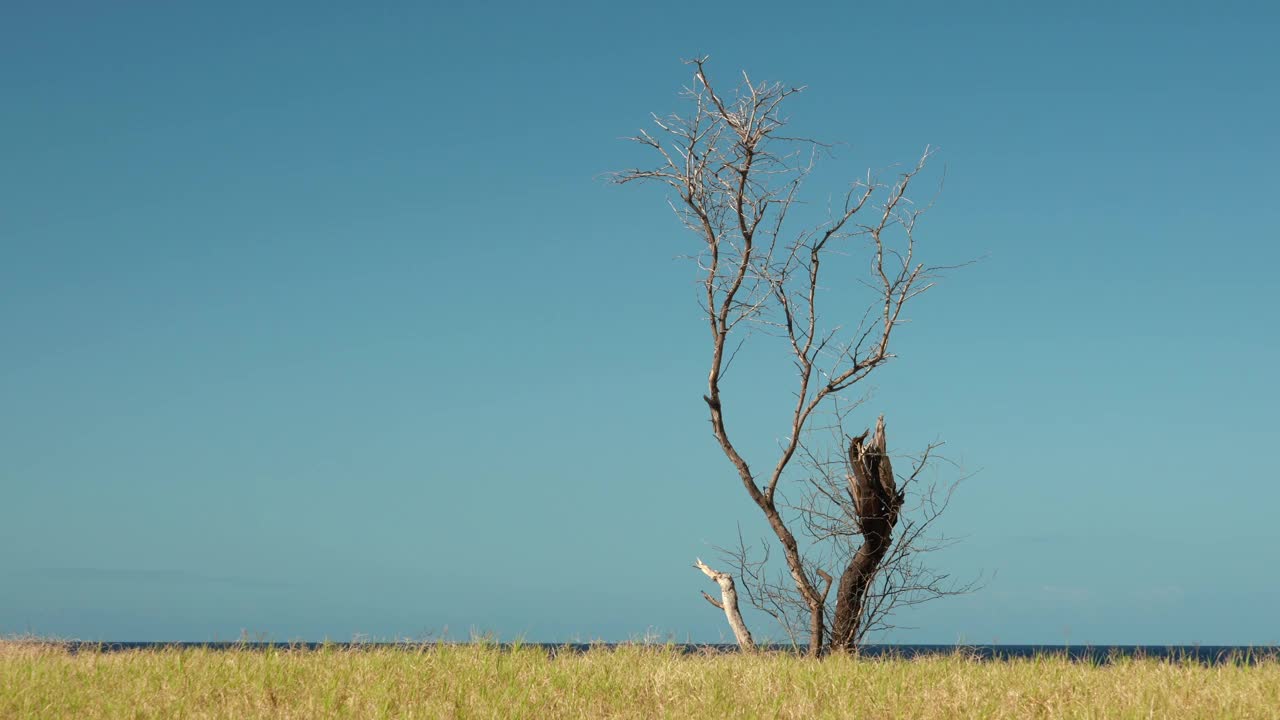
point(42, 680)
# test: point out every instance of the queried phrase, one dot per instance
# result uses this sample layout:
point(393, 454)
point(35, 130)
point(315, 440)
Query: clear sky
point(316, 322)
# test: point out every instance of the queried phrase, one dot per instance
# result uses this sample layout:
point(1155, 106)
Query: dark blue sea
point(1096, 654)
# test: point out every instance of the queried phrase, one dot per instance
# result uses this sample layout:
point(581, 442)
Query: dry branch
point(729, 603)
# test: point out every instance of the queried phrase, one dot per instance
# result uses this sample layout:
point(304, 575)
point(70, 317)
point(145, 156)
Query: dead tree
point(736, 178)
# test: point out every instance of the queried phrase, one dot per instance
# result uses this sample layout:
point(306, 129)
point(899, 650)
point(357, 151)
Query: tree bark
point(877, 501)
point(729, 603)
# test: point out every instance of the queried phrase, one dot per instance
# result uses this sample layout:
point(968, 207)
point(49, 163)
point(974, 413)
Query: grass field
point(45, 681)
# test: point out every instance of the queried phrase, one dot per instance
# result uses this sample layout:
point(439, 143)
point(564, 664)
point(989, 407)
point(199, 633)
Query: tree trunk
point(876, 500)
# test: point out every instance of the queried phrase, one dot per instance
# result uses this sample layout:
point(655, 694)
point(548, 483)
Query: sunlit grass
point(42, 680)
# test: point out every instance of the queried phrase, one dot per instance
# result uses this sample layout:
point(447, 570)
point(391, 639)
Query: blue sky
point(316, 322)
